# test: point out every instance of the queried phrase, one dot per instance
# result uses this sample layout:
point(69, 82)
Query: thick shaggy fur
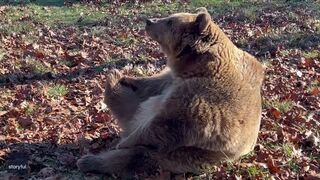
point(203, 109)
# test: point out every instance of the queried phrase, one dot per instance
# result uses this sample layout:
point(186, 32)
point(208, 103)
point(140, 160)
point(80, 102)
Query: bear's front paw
point(128, 82)
point(90, 163)
point(113, 78)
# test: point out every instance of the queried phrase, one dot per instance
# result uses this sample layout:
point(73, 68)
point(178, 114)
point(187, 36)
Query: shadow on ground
point(263, 46)
point(42, 160)
point(13, 79)
point(36, 2)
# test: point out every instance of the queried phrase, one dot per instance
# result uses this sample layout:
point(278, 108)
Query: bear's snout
point(151, 21)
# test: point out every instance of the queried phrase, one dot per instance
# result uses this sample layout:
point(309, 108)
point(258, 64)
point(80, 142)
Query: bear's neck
point(213, 56)
point(206, 65)
point(218, 36)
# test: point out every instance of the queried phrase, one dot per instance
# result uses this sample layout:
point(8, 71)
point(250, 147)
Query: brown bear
point(205, 108)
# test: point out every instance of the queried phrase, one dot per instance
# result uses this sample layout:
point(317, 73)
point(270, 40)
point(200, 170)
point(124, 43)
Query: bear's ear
point(201, 10)
point(202, 22)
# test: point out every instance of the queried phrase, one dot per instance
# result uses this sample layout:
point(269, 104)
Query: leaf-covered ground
point(54, 59)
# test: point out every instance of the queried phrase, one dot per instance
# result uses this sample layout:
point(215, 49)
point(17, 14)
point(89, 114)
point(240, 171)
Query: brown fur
point(204, 109)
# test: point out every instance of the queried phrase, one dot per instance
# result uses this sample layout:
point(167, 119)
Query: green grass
point(16, 27)
point(313, 85)
point(312, 54)
point(285, 52)
point(98, 31)
point(230, 168)
point(288, 150)
point(138, 71)
point(68, 63)
point(49, 2)
point(247, 156)
point(315, 157)
point(20, 128)
point(253, 171)
point(265, 62)
point(215, 7)
point(297, 39)
point(302, 40)
point(30, 39)
point(125, 41)
point(57, 90)
point(282, 106)
point(220, 3)
point(20, 19)
point(317, 26)
point(38, 2)
point(30, 110)
point(270, 145)
point(153, 8)
point(53, 13)
point(293, 165)
point(38, 67)
point(2, 54)
point(292, 16)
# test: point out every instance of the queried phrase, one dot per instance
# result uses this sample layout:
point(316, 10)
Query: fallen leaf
point(102, 117)
point(315, 91)
point(46, 172)
point(3, 113)
point(25, 122)
point(275, 113)
point(274, 169)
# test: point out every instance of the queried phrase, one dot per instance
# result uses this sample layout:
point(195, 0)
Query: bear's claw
point(89, 163)
point(113, 78)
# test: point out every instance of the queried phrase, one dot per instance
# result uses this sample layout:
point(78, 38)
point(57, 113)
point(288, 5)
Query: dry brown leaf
point(275, 113)
point(273, 168)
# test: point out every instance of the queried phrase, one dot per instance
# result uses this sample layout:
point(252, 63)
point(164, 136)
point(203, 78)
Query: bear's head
point(179, 32)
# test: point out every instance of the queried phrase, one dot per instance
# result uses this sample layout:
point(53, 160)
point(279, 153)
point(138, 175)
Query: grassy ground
point(54, 58)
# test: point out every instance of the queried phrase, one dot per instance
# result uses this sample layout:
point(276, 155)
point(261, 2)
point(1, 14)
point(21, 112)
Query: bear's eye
point(169, 22)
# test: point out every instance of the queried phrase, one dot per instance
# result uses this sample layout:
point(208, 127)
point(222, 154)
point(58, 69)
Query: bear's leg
point(123, 95)
point(146, 87)
point(124, 162)
point(179, 163)
point(121, 100)
point(192, 160)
